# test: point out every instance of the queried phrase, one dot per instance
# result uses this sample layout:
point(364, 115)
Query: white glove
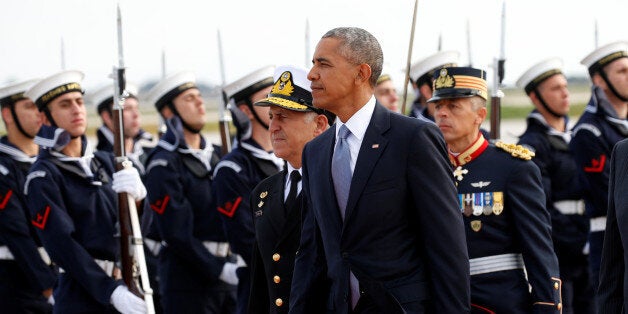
point(128, 180)
point(126, 302)
point(51, 300)
point(240, 261)
point(228, 273)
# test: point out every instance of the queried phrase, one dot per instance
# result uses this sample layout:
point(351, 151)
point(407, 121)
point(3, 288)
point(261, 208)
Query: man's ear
point(364, 73)
point(7, 117)
point(598, 80)
point(247, 111)
point(321, 124)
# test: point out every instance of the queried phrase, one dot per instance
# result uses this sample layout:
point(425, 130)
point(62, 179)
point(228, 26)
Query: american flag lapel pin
point(375, 146)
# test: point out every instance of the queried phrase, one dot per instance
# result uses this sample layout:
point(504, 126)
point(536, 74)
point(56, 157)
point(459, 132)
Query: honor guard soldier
point(421, 73)
point(386, 93)
point(137, 142)
point(277, 200)
point(547, 135)
point(602, 124)
point(71, 194)
point(196, 270)
point(502, 202)
point(244, 167)
point(26, 277)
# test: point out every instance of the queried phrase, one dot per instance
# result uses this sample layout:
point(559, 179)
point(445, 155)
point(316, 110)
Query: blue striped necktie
point(341, 169)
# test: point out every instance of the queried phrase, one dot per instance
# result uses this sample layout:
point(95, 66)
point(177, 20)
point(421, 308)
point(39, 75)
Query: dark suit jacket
point(276, 242)
point(613, 289)
point(403, 235)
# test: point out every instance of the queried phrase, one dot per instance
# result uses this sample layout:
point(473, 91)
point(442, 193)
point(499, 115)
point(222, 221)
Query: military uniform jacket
point(16, 231)
point(507, 226)
point(234, 177)
point(178, 181)
point(561, 186)
point(75, 213)
point(613, 293)
point(594, 136)
point(276, 242)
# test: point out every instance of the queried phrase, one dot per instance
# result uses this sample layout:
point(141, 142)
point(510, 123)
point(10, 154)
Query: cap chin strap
point(547, 108)
point(18, 124)
point(49, 116)
point(183, 122)
point(250, 105)
point(611, 87)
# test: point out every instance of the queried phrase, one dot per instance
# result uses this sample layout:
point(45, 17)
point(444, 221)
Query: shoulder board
point(229, 164)
point(31, 176)
point(587, 127)
point(516, 150)
point(156, 163)
point(4, 170)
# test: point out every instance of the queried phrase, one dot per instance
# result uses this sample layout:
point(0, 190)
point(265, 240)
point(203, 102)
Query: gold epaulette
point(516, 150)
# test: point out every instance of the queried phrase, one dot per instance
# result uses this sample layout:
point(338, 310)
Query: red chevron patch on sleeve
point(5, 199)
point(41, 219)
point(229, 208)
point(160, 205)
point(597, 165)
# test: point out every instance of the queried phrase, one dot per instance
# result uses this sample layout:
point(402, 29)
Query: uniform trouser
point(17, 294)
point(596, 241)
point(152, 265)
point(207, 301)
point(244, 289)
point(71, 297)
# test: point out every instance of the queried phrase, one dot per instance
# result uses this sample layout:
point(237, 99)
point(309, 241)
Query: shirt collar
point(359, 122)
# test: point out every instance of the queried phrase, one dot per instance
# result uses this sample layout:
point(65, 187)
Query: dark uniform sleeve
point(15, 233)
point(442, 228)
point(232, 192)
point(258, 300)
point(173, 215)
point(55, 228)
point(611, 289)
point(525, 196)
point(592, 160)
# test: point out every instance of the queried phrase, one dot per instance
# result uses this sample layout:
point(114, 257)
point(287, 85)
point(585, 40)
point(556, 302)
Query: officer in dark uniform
point(71, 195)
point(602, 124)
point(421, 77)
point(502, 201)
point(244, 167)
point(26, 278)
point(277, 200)
point(138, 143)
point(547, 136)
point(197, 273)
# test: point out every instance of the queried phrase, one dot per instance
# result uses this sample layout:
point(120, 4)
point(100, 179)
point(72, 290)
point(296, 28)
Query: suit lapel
point(292, 221)
point(373, 144)
point(275, 216)
point(323, 153)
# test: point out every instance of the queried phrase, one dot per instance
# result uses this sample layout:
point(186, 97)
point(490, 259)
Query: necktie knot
point(344, 132)
point(295, 176)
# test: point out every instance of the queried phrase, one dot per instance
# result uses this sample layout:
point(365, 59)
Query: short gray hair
point(359, 46)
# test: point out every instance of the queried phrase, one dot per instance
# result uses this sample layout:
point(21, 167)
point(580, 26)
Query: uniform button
point(556, 286)
point(559, 306)
point(276, 257)
point(279, 302)
point(277, 279)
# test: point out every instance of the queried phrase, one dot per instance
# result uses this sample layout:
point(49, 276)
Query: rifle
point(407, 78)
point(162, 128)
point(498, 76)
point(225, 135)
point(131, 244)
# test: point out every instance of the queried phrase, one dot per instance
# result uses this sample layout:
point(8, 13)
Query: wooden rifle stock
point(225, 135)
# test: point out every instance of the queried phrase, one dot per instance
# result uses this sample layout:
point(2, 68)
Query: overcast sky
point(257, 33)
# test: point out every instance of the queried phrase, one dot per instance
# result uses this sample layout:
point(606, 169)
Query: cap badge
point(283, 86)
point(444, 80)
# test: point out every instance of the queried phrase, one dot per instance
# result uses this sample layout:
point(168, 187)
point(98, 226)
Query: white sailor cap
point(102, 97)
point(425, 68)
point(244, 87)
point(539, 72)
point(54, 86)
point(13, 93)
point(605, 55)
point(171, 87)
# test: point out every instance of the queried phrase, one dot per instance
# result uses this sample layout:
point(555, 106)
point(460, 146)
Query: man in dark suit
point(278, 199)
point(613, 293)
point(381, 215)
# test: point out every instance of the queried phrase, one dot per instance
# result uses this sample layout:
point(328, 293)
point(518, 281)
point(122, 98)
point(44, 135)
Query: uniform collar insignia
point(475, 150)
